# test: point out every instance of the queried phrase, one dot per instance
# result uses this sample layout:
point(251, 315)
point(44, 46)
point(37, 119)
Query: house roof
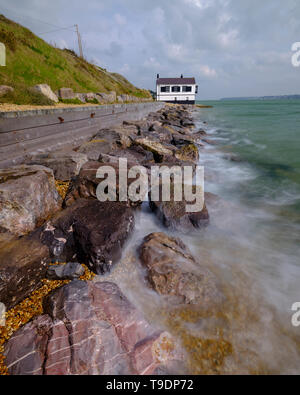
point(175, 81)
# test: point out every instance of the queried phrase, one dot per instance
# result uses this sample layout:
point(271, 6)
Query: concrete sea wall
point(27, 133)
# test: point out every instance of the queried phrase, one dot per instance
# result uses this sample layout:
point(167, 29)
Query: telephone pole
point(79, 42)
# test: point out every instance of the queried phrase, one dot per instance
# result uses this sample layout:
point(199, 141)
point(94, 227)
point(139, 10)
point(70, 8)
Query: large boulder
point(172, 271)
point(135, 155)
point(86, 183)
point(172, 213)
point(28, 197)
point(4, 90)
point(107, 97)
point(160, 151)
point(120, 137)
point(90, 232)
point(66, 93)
point(92, 149)
point(46, 91)
point(89, 329)
point(188, 153)
point(23, 264)
point(65, 165)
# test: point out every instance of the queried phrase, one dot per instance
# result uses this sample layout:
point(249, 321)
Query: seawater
point(252, 244)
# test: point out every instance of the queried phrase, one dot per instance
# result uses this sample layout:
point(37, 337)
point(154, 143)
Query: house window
point(175, 88)
point(186, 89)
point(165, 89)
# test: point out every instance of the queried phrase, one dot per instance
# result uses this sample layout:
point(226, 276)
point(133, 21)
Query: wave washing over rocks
point(157, 305)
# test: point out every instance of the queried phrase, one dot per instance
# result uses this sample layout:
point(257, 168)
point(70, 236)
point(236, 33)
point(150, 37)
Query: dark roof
point(175, 81)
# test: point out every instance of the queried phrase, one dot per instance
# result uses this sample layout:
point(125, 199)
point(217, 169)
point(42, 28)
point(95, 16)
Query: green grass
point(31, 61)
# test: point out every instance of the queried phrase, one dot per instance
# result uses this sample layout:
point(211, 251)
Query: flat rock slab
point(89, 329)
point(65, 165)
point(28, 197)
point(172, 271)
point(23, 264)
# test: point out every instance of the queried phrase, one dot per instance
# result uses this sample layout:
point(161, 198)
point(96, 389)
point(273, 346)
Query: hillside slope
point(30, 61)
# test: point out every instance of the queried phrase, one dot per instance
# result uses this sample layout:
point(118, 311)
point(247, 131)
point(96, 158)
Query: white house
point(176, 90)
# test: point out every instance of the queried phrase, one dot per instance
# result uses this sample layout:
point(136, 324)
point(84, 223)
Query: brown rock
point(173, 271)
point(4, 90)
point(89, 329)
point(95, 147)
point(66, 93)
point(86, 183)
point(28, 197)
point(23, 264)
point(188, 153)
point(173, 214)
point(65, 165)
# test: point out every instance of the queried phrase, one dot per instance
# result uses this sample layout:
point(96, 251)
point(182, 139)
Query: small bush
point(26, 96)
point(93, 101)
point(70, 101)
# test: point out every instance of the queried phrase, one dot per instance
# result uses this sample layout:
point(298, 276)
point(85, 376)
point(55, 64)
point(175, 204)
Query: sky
point(232, 47)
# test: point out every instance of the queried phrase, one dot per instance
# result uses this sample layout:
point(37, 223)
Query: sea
point(252, 245)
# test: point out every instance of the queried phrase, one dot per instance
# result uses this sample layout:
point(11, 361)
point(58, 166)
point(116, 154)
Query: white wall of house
point(172, 96)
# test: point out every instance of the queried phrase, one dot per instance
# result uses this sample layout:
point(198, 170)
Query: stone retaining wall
point(27, 133)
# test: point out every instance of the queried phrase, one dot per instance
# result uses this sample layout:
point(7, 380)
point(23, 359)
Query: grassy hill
point(30, 61)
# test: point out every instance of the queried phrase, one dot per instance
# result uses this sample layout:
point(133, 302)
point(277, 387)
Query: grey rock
point(28, 197)
point(70, 271)
point(46, 91)
point(4, 90)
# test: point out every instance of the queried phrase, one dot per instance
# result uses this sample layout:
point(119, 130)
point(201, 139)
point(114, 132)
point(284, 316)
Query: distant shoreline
point(283, 97)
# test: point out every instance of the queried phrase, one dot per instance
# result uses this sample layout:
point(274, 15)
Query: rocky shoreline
point(85, 324)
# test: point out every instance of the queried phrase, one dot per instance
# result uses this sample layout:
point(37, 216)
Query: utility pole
point(79, 42)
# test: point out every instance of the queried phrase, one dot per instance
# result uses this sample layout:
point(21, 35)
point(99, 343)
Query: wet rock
point(188, 153)
point(23, 264)
point(70, 271)
point(172, 271)
point(65, 165)
point(27, 198)
point(209, 141)
point(90, 232)
point(180, 140)
point(160, 151)
point(173, 214)
point(89, 329)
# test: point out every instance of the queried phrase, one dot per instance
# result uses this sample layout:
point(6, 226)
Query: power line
point(52, 31)
point(29, 17)
point(63, 28)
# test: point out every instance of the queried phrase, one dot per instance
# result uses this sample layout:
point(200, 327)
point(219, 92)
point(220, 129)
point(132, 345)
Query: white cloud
point(207, 71)
point(120, 19)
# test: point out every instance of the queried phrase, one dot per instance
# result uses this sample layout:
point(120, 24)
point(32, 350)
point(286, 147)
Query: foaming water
point(252, 245)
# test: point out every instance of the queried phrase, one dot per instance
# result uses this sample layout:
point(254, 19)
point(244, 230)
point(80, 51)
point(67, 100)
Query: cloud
point(232, 47)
